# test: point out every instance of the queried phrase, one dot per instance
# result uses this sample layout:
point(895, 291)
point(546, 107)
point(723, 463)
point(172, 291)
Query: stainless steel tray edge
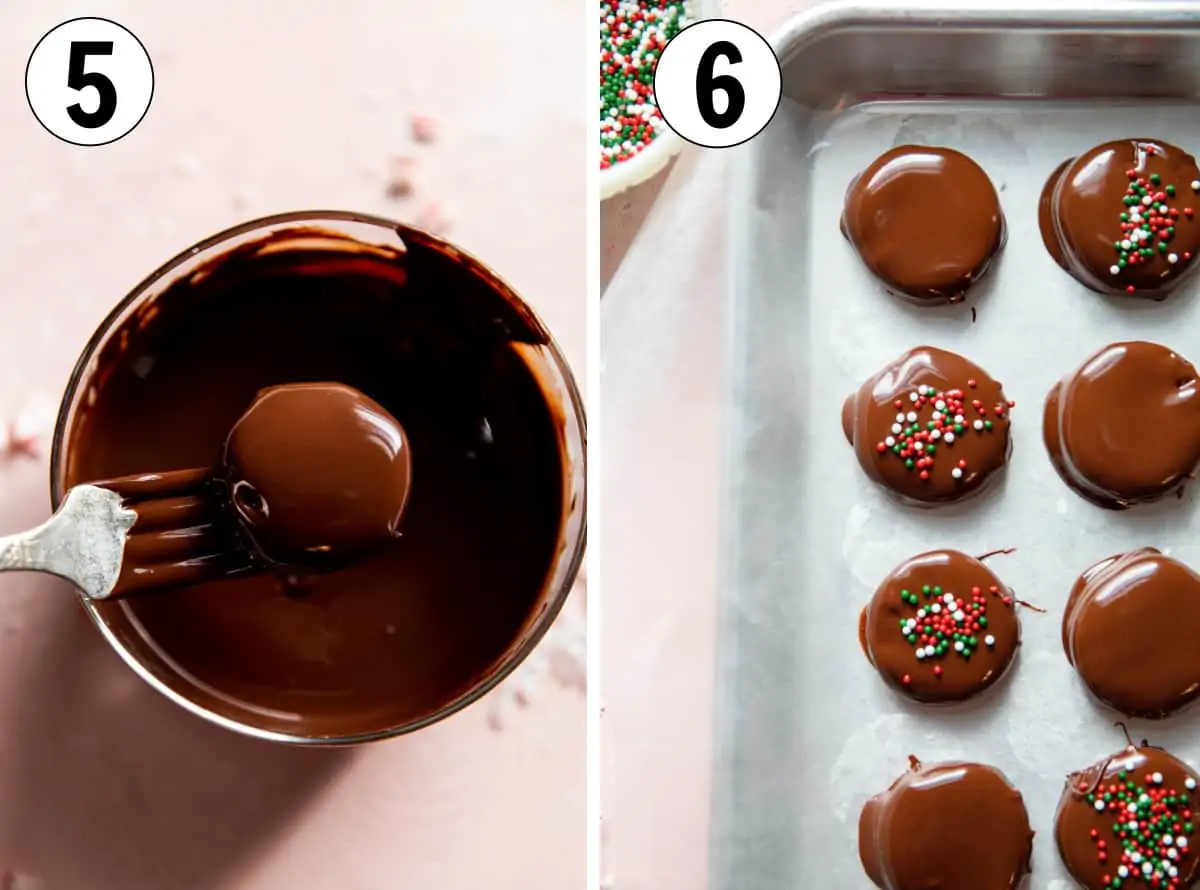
point(1063, 49)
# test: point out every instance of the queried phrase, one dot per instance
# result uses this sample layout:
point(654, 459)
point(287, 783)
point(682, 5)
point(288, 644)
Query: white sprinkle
point(956, 473)
point(978, 424)
point(1173, 853)
point(919, 446)
point(1132, 807)
point(937, 415)
point(900, 417)
point(889, 441)
point(923, 389)
point(930, 651)
point(1181, 842)
point(920, 654)
point(1196, 185)
point(1126, 244)
point(940, 404)
point(911, 417)
point(959, 615)
point(1156, 778)
point(1172, 870)
point(935, 434)
point(1137, 857)
point(1147, 868)
point(1147, 200)
point(935, 608)
point(1114, 270)
point(949, 438)
point(948, 599)
point(989, 641)
point(920, 613)
point(1168, 840)
point(1172, 258)
point(1099, 805)
point(958, 646)
point(1189, 783)
point(1122, 871)
point(958, 418)
point(897, 429)
point(912, 396)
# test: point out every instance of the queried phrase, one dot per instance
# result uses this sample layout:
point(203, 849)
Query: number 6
point(707, 85)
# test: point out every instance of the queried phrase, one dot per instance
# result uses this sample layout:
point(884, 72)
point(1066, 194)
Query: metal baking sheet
point(806, 730)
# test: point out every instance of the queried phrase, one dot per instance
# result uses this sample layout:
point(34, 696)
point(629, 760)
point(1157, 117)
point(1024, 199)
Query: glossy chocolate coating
point(423, 619)
point(872, 424)
point(925, 220)
point(1081, 208)
point(1125, 427)
point(955, 669)
point(1131, 629)
point(318, 473)
point(953, 826)
point(1162, 790)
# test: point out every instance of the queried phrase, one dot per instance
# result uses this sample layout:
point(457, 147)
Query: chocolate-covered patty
point(925, 220)
point(953, 826)
point(931, 426)
point(941, 627)
point(1121, 217)
point(1139, 674)
point(1125, 427)
point(318, 473)
point(1127, 822)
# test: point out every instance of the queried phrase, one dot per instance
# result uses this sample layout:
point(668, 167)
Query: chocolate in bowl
point(493, 532)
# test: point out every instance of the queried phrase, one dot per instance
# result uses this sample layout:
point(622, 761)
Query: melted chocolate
point(1120, 218)
point(887, 423)
point(1096, 420)
point(1139, 674)
point(1161, 790)
point(953, 826)
point(941, 627)
point(927, 221)
point(422, 620)
point(318, 473)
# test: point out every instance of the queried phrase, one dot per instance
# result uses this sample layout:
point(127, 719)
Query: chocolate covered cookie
point(953, 826)
point(932, 426)
point(1125, 427)
point(925, 220)
point(1121, 218)
point(1127, 822)
point(941, 627)
point(1139, 674)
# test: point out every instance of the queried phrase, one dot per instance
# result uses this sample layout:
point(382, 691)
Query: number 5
point(78, 79)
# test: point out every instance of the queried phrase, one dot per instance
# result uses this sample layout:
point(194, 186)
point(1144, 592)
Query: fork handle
point(84, 541)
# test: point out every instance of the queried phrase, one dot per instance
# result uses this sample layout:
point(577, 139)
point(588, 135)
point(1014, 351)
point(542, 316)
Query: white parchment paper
point(806, 729)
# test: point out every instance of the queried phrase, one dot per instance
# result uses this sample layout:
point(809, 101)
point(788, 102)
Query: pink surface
point(663, 391)
point(258, 108)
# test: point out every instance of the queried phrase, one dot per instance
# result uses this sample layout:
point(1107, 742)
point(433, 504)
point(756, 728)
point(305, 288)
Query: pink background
point(660, 521)
point(263, 107)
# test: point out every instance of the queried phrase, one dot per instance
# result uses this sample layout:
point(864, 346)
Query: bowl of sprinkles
point(635, 142)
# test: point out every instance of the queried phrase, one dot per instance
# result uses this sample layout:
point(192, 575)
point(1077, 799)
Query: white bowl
point(651, 159)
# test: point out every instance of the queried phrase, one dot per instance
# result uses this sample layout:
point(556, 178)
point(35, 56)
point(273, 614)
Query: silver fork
point(84, 541)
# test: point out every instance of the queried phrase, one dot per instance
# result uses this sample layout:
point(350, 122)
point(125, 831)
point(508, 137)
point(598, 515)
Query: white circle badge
point(89, 81)
point(717, 83)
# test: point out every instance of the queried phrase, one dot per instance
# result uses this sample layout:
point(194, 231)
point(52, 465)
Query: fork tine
point(145, 578)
